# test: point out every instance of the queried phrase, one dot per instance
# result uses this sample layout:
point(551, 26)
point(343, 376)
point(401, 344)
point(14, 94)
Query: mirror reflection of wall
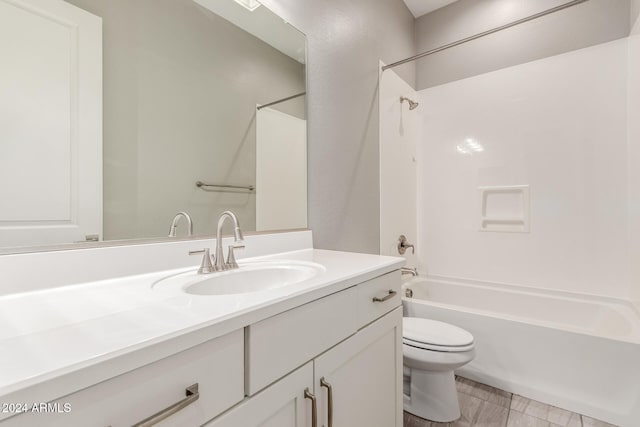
point(180, 89)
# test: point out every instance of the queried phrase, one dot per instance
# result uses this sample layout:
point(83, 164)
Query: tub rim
point(632, 337)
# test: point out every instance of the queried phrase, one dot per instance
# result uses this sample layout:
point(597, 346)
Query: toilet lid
point(427, 333)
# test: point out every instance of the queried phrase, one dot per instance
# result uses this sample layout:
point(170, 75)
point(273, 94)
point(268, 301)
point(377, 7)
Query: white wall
point(556, 124)
point(398, 134)
point(635, 13)
point(634, 158)
point(346, 39)
point(586, 24)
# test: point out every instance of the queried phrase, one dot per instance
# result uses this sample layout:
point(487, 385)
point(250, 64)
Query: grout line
point(474, 419)
point(508, 416)
point(509, 410)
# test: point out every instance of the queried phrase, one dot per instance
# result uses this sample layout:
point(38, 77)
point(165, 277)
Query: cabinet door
point(365, 375)
point(282, 404)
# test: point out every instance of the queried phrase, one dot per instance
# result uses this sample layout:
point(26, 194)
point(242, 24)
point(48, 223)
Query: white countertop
point(56, 341)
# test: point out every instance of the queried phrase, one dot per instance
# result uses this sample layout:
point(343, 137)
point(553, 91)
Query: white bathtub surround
point(89, 332)
point(557, 125)
point(568, 350)
point(398, 135)
point(571, 135)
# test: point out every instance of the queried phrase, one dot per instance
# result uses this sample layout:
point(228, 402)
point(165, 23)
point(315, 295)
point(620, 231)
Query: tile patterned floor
point(485, 406)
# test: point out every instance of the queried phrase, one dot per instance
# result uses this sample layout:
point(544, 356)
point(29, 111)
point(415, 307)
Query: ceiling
point(263, 24)
point(422, 7)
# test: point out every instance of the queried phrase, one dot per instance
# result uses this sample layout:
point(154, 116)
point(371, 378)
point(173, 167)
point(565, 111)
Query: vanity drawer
point(216, 366)
point(378, 296)
point(279, 344)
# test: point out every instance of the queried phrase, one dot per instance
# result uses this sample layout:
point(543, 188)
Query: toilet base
point(433, 395)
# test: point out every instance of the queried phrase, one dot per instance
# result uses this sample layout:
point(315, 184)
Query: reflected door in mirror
point(50, 123)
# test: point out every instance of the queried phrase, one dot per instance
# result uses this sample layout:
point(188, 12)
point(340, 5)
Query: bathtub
point(576, 352)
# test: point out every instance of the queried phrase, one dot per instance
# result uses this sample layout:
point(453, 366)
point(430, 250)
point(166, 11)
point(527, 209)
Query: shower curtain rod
point(485, 33)
point(282, 100)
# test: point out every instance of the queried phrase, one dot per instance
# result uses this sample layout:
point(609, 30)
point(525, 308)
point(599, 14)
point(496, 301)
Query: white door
point(50, 123)
point(365, 376)
point(282, 404)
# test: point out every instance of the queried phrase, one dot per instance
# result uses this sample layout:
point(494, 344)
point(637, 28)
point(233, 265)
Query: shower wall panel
point(557, 125)
point(398, 134)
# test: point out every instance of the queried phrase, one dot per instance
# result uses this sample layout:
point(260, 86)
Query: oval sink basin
point(249, 278)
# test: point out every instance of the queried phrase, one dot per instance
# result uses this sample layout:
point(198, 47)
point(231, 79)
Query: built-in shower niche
point(504, 208)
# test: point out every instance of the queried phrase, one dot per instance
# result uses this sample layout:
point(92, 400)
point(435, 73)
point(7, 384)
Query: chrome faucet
point(174, 224)
point(238, 242)
point(407, 270)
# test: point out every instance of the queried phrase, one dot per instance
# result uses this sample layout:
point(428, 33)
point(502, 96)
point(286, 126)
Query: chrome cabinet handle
point(390, 295)
point(192, 395)
point(324, 383)
point(314, 407)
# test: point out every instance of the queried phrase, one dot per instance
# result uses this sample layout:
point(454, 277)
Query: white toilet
point(431, 351)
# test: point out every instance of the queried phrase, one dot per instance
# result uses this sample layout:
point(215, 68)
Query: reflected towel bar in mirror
point(222, 187)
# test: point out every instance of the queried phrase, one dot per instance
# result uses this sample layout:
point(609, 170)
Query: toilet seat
point(432, 347)
point(432, 335)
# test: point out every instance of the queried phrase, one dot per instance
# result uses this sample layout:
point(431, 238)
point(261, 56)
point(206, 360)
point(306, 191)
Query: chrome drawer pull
point(192, 395)
point(314, 407)
point(324, 383)
point(390, 295)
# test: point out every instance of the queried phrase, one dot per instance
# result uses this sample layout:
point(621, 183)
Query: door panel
point(365, 376)
point(50, 120)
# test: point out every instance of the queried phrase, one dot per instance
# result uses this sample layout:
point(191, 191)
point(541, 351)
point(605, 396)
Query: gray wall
point(346, 39)
point(635, 12)
point(180, 89)
point(590, 23)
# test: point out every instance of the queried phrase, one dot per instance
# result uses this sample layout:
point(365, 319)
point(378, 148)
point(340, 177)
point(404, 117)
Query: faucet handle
point(403, 245)
point(231, 258)
point(206, 266)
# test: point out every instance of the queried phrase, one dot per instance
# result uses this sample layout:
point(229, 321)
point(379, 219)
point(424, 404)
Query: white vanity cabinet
point(217, 366)
point(341, 351)
point(351, 357)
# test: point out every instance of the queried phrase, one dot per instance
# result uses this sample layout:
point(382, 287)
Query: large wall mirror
point(116, 115)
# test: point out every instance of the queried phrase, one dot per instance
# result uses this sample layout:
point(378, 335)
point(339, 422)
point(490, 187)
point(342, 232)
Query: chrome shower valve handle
point(403, 245)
